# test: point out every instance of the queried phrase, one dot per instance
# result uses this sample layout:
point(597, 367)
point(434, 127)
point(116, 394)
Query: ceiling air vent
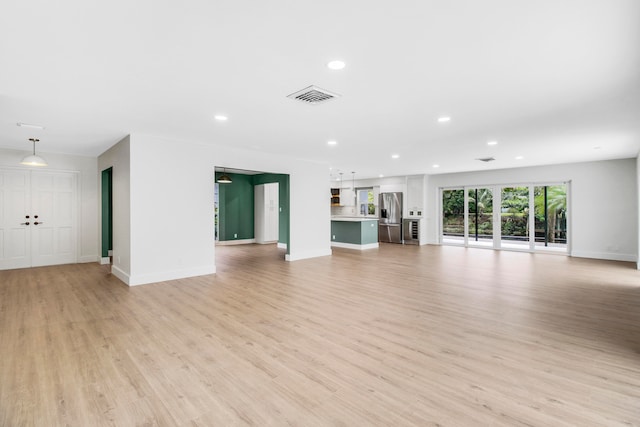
point(486, 159)
point(313, 95)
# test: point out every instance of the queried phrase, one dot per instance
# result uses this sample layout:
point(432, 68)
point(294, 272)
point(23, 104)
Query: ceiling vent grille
point(486, 159)
point(313, 95)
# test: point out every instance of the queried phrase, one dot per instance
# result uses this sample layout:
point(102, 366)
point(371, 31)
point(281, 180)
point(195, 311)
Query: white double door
point(38, 218)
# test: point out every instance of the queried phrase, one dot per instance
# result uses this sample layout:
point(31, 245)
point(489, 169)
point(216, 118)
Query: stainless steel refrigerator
point(390, 217)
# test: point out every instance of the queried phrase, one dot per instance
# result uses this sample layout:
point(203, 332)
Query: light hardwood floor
point(398, 336)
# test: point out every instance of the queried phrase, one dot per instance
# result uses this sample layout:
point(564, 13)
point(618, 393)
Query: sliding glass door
point(551, 217)
point(519, 217)
point(453, 216)
point(480, 216)
point(514, 217)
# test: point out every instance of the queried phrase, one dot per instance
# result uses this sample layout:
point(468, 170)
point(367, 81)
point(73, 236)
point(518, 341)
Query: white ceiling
point(549, 80)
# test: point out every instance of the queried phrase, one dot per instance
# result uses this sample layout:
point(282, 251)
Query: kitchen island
point(351, 232)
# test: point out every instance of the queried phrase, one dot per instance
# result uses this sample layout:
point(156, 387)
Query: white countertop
point(353, 218)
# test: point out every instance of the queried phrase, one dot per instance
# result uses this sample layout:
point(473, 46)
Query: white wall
point(171, 211)
point(603, 202)
point(117, 157)
point(88, 193)
point(638, 194)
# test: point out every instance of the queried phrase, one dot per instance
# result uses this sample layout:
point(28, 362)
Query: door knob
point(26, 216)
point(24, 223)
point(36, 223)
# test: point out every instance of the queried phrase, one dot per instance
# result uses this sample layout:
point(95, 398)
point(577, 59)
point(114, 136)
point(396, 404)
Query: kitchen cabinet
point(343, 197)
point(354, 232)
point(347, 197)
point(415, 195)
point(335, 197)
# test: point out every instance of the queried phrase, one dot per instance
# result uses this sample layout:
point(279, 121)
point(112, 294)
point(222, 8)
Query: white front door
point(15, 221)
point(39, 217)
point(53, 206)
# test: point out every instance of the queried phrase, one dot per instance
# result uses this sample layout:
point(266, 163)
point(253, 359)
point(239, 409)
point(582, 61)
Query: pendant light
point(224, 178)
point(33, 159)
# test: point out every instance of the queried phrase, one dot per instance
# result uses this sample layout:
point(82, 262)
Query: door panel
point(15, 199)
point(390, 233)
point(514, 217)
point(54, 201)
point(480, 217)
point(453, 216)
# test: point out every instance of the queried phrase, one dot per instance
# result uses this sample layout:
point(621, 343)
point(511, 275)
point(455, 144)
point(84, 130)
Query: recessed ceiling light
point(332, 142)
point(221, 118)
point(444, 119)
point(492, 143)
point(26, 125)
point(519, 157)
point(436, 166)
point(336, 65)
point(380, 176)
point(395, 156)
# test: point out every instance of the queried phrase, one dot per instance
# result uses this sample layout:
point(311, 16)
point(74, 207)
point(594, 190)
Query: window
point(366, 203)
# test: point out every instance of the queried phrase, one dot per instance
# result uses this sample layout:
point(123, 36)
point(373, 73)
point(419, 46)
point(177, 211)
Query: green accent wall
point(235, 214)
point(107, 211)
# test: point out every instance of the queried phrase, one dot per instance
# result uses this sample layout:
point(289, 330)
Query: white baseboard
point(120, 274)
point(143, 279)
point(87, 258)
point(296, 256)
point(612, 256)
point(235, 242)
point(354, 246)
point(282, 245)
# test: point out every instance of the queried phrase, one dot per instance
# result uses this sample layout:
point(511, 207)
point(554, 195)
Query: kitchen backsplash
point(343, 210)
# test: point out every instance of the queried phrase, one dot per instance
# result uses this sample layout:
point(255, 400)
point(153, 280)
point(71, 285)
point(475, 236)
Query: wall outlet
point(235, 235)
point(118, 259)
point(334, 237)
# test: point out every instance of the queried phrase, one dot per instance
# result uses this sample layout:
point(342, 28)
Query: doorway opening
point(252, 209)
point(107, 216)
